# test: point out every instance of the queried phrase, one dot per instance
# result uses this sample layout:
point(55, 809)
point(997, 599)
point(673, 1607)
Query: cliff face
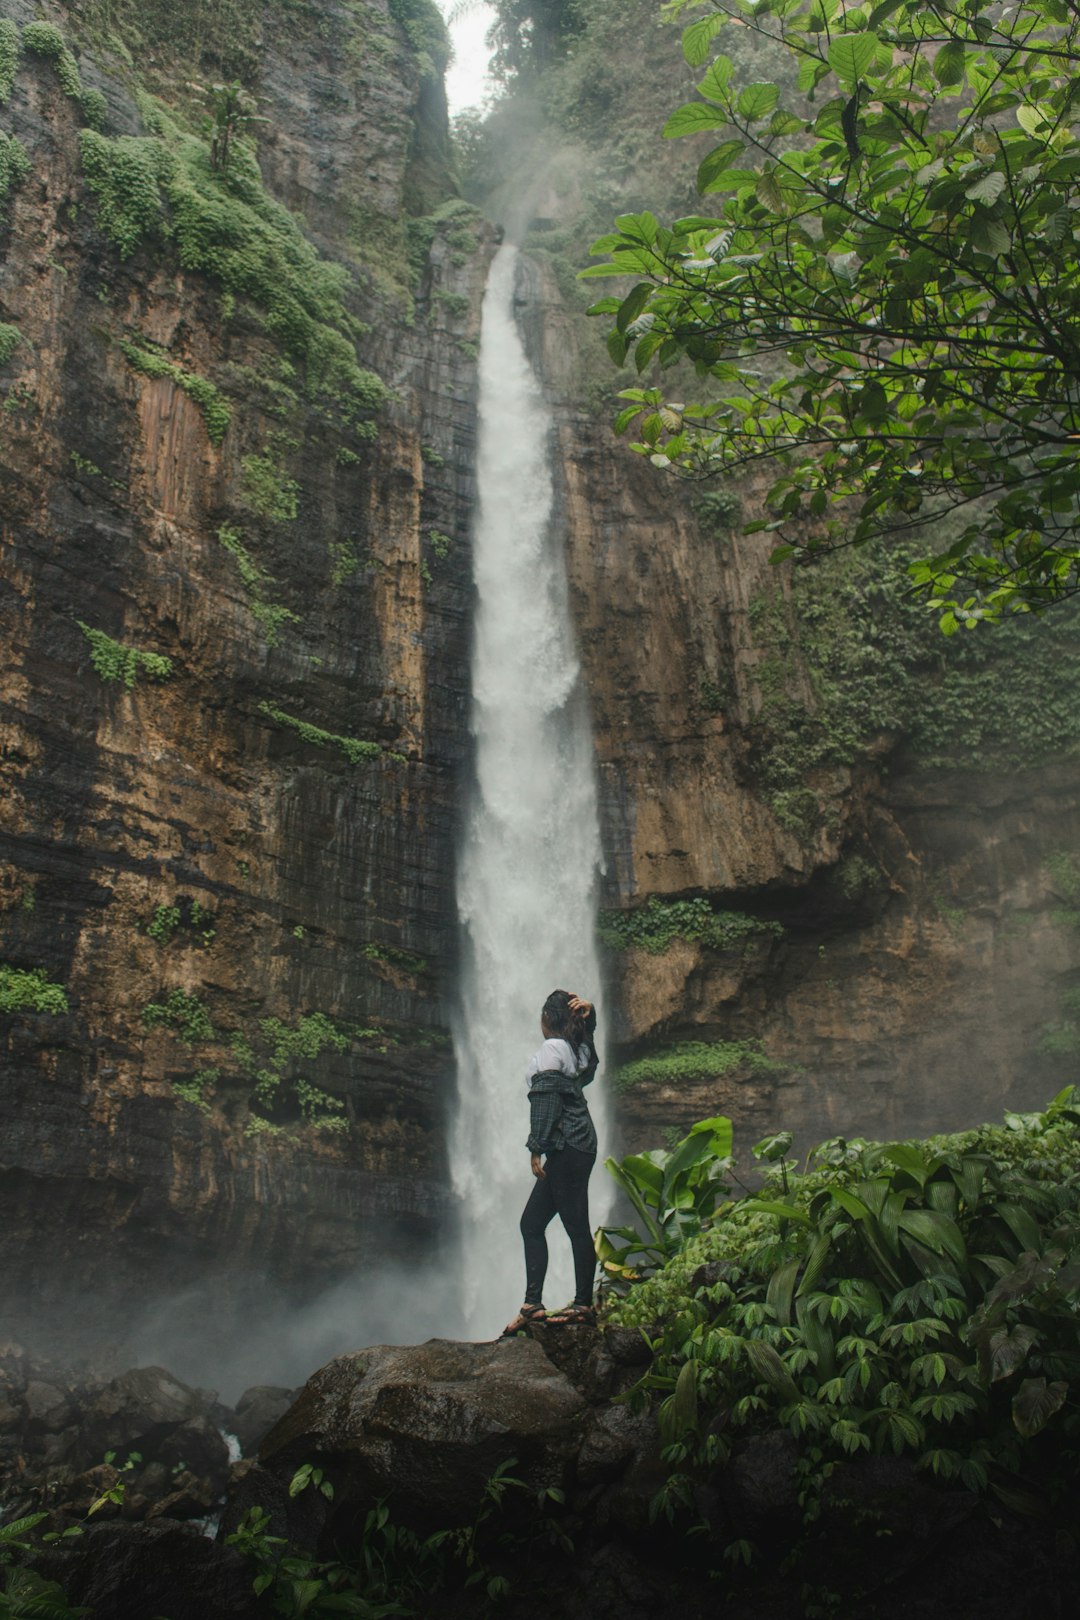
point(237, 863)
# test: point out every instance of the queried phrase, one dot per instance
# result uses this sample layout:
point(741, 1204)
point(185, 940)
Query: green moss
point(693, 1060)
point(426, 32)
point(268, 491)
point(353, 748)
point(28, 990)
point(14, 167)
point(268, 615)
point(152, 363)
point(114, 661)
point(440, 544)
point(345, 560)
point(10, 338)
point(9, 57)
point(656, 925)
point(184, 1014)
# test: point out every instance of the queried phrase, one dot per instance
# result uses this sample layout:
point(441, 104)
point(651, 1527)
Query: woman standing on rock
point(562, 1142)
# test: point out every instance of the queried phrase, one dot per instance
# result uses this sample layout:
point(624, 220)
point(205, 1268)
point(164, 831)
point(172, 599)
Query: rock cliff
point(237, 460)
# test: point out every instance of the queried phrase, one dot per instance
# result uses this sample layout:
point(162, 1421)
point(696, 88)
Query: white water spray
point(531, 848)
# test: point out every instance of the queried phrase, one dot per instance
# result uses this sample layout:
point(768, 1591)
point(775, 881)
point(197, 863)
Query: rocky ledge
point(450, 1476)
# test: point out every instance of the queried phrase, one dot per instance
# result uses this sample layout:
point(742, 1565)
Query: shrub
point(656, 925)
point(216, 412)
point(114, 661)
point(28, 990)
point(353, 748)
point(14, 167)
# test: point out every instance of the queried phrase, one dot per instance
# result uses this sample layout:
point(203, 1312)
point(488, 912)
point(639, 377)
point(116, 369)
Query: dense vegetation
point(911, 1298)
point(884, 296)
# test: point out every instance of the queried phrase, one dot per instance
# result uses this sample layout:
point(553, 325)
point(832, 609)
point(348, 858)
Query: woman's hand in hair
point(576, 1005)
point(537, 1167)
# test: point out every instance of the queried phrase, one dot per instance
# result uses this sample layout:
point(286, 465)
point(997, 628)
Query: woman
point(562, 1145)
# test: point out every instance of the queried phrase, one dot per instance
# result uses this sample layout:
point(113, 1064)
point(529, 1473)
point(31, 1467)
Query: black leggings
point(562, 1190)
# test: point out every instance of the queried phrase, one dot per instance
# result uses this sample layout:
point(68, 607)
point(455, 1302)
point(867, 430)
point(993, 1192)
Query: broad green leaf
point(768, 193)
point(770, 1369)
point(717, 79)
point(850, 56)
point(692, 118)
point(717, 161)
point(936, 1231)
point(699, 36)
point(949, 62)
point(756, 101)
point(632, 305)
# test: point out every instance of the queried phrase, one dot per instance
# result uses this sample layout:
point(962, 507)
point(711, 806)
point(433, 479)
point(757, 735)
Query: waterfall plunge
point(531, 847)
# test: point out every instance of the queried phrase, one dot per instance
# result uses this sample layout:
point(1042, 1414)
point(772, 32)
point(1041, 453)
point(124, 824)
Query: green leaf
point(770, 1369)
point(717, 161)
point(768, 193)
point(987, 189)
point(699, 36)
point(692, 118)
point(948, 66)
point(632, 305)
point(1035, 1403)
point(757, 101)
point(851, 55)
point(717, 79)
point(936, 1231)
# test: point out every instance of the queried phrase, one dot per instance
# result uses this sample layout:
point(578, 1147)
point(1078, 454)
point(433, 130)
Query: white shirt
point(557, 1054)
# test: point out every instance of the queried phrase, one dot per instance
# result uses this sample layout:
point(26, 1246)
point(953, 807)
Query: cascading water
point(531, 847)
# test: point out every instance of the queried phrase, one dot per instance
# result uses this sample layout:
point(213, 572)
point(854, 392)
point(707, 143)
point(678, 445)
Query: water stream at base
point(531, 847)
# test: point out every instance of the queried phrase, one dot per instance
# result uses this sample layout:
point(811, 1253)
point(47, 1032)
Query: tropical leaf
point(1035, 1403)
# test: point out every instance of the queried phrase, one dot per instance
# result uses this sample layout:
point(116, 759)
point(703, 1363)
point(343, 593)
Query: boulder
point(135, 1412)
point(426, 1426)
point(257, 1410)
point(136, 1571)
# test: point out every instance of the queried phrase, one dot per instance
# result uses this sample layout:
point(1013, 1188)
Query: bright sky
point(466, 77)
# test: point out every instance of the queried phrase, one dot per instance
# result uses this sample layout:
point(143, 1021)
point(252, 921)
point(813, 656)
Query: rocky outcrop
point(425, 1476)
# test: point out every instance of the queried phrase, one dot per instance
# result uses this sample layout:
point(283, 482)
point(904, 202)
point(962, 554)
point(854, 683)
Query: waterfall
point(531, 847)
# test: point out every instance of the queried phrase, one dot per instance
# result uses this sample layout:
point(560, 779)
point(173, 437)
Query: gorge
point(246, 781)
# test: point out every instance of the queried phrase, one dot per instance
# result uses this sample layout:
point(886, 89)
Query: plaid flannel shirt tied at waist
point(559, 1115)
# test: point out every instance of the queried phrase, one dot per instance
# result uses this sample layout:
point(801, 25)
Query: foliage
point(216, 412)
point(424, 28)
point(269, 616)
point(389, 1567)
point(124, 174)
point(14, 167)
point(28, 990)
point(874, 293)
point(692, 1060)
point(396, 958)
point(673, 1194)
point(195, 1090)
point(232, 113)
point(913, 1297)
point(114, 661)
point(268, 491)
point(274, 1063)
point(10, 338)
point(29, 1596)
point(182, 1013)
point(187, 915)
point(43, 39)
point(655, 926)
point(164, 923)
point(354, 748)
point(877, 668)
point(223, 222)
point(9, 57)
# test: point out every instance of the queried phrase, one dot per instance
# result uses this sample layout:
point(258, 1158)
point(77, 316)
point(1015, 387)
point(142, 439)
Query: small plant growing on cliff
point(354, 748)
point(232, 114)
point(10, 338)
point(28, 990)
point(181, 1012)
point(216, 412)
point(114, 661)
point(655, 926)
point(14, 167)
point(9, 57)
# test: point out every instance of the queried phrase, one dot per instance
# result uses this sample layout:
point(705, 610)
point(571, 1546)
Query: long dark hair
point(567, 1022)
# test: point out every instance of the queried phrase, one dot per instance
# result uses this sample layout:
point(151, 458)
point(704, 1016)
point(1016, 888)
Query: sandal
point(573, 1316)
point(528, 1316)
